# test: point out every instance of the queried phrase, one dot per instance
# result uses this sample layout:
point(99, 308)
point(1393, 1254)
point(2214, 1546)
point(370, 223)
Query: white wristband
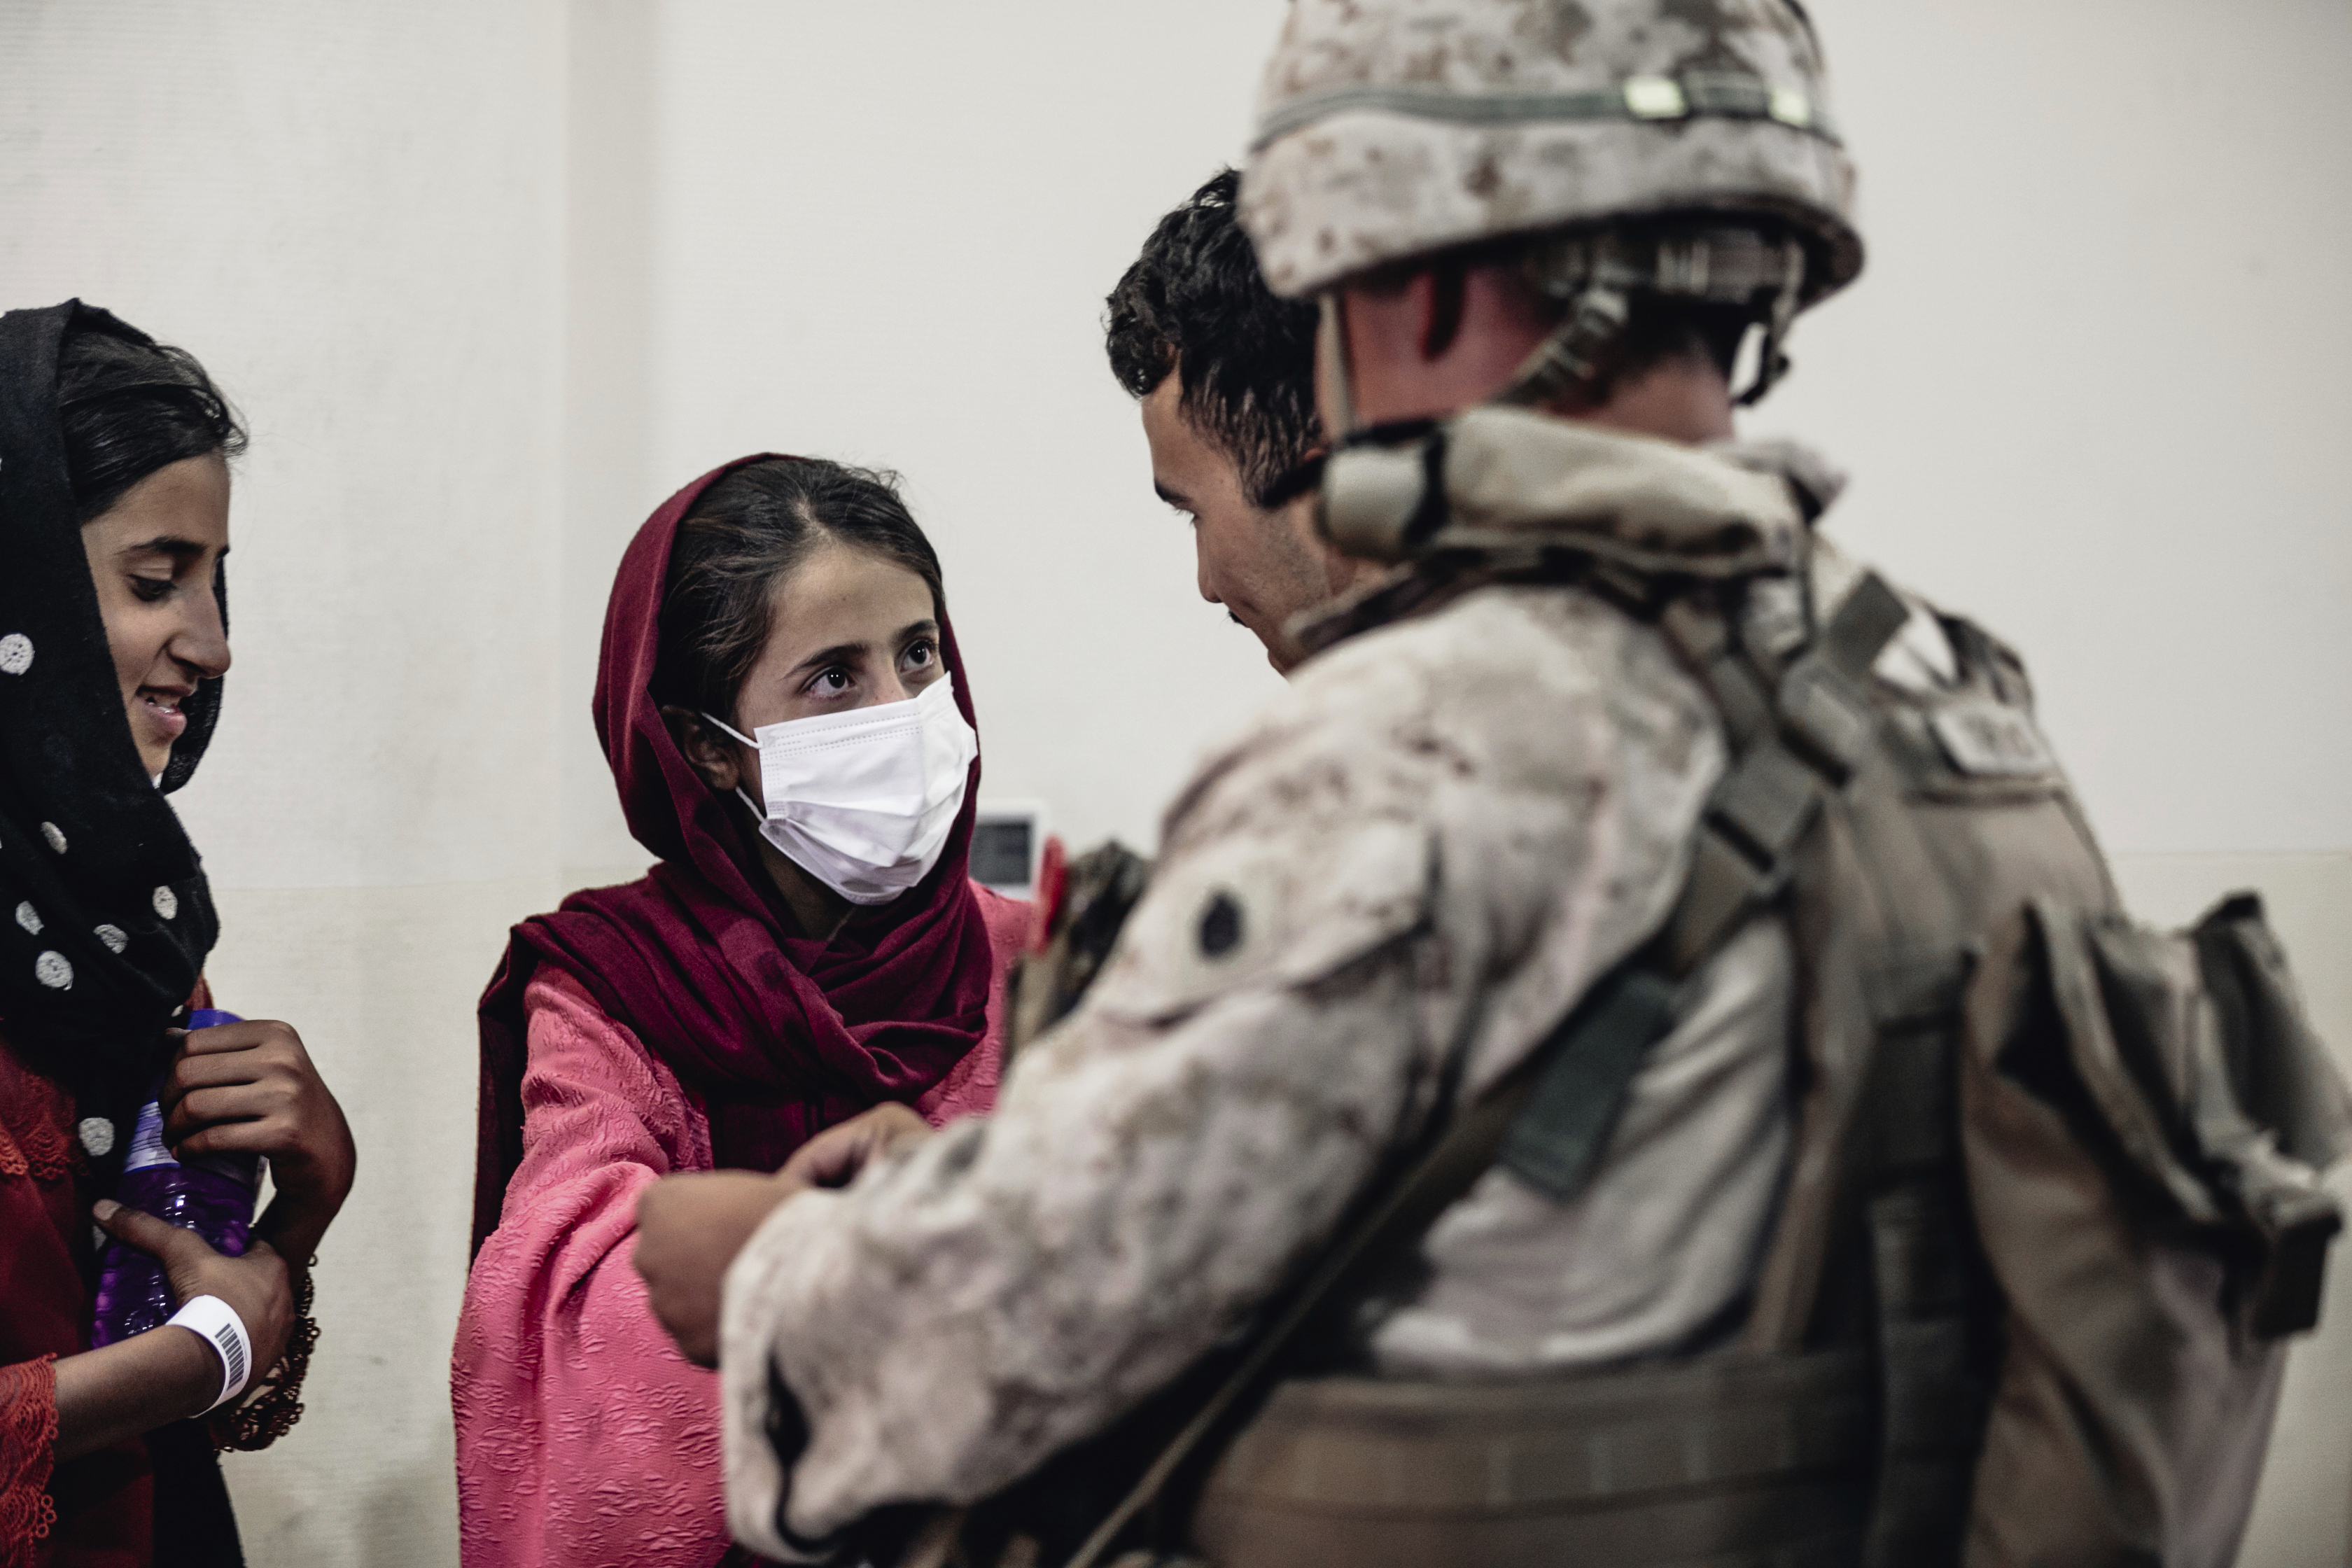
point(217, 1322)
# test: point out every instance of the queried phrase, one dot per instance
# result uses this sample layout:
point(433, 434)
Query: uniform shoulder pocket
point(1273, 911)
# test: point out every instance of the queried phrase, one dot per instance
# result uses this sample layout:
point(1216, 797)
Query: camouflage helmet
point(1390, 129)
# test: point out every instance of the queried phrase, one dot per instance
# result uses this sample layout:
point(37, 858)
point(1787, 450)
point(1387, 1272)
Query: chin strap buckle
point(1772, 357)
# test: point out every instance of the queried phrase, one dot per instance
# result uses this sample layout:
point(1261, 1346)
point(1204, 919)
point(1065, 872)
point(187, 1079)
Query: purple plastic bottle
point(211, 1195)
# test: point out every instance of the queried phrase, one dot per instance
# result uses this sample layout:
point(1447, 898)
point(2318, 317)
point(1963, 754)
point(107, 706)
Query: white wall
point(2092, 390)
point(351, 213)
point(491, 279)
point(2092, 383)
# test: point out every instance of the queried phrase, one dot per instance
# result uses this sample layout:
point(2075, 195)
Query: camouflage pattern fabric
point(1393, 128)
point(1445, 830)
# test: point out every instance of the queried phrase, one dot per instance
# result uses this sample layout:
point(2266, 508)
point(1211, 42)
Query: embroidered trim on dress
point(29, 1449)
point(35, 1115)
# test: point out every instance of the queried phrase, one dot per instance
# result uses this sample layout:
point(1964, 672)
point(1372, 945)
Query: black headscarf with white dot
point(105, 916)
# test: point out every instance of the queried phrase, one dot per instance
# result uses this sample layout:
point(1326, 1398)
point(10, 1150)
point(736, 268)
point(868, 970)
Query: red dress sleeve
point(28, 1388)
point(28, 1435)
point(96, 1509)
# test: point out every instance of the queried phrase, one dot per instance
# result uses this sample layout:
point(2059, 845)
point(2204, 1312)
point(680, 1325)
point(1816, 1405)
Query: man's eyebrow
point(1176, 499)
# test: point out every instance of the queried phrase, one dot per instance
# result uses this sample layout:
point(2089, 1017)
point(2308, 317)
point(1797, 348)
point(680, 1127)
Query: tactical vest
point(2051, 1210)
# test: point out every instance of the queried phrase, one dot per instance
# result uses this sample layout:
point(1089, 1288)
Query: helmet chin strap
point(1772, 358)
point(1333, 366)
point(1383, 486)
point(1573, 354)
point(1576, 354)
point(1596, 277)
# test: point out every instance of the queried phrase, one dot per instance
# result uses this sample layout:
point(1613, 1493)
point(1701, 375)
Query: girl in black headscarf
point(114, 638)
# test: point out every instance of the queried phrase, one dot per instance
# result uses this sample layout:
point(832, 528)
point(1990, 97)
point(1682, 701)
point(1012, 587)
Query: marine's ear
point(715, 756)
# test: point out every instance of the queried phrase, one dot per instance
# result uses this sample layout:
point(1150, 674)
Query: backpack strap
point(1741, 860)
point(1799, 742)
point(1930, 1392)
point(1794, 741)
point(1596, 1046)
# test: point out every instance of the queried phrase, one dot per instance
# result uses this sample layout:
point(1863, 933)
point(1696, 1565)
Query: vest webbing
point(1548, 1118)
point(1839, 811)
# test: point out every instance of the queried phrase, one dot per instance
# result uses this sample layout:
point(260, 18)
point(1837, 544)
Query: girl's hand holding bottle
point(168, 1374)
point(236, 1093)
point(250, 1088)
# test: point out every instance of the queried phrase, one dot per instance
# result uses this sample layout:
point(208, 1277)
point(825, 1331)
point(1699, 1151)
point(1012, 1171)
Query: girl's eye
point(834, 682)
point(149, 589)
point(921, 652)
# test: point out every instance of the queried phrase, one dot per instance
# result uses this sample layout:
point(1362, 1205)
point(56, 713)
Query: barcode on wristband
point(231, 1345)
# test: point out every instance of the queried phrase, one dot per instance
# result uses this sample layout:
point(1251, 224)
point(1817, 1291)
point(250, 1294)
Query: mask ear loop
point(732, 731)
point(758, 810)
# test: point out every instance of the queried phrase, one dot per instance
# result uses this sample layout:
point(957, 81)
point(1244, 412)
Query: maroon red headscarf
point(779, 1035)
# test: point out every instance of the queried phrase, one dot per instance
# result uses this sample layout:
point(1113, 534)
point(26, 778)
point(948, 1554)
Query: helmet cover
point(1392, 129)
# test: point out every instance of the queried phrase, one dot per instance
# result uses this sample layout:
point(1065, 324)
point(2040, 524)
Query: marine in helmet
point(1376, 898)
point(1223, 374)
point(1521, 1106)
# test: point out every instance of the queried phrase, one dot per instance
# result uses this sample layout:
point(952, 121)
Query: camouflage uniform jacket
point(1426, 850)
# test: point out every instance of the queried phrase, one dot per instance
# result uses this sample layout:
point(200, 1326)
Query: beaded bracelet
point(275, 1401)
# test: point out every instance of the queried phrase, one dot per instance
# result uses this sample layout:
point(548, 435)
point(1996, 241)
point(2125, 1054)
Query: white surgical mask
point(863, 801)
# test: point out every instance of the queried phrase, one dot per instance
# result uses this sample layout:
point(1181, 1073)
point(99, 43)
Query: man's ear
point(1437, 295)
point(707, 748)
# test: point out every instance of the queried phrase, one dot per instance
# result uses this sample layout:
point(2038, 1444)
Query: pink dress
point(585, 1439)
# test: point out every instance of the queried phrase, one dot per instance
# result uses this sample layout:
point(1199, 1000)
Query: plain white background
point(491, 280)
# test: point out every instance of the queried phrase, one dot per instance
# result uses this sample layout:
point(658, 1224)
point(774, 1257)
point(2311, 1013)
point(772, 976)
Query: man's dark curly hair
point(1194, 302)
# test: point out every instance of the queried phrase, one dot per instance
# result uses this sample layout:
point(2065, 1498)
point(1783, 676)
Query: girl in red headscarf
point(787, 718)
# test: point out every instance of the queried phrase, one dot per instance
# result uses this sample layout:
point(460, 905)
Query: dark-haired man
point(1224, 372)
